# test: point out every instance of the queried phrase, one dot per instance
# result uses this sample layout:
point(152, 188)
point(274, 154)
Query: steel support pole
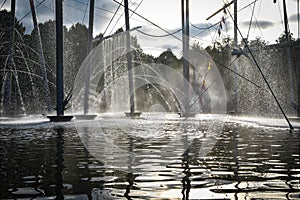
point(185, 50)
point(89, 48)
point(42, 58)
point(235, 44)
point(129, 64)
point(59, 59)
point(288, 51)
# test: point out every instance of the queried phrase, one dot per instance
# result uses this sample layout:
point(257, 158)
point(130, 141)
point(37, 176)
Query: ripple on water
point(244, 163)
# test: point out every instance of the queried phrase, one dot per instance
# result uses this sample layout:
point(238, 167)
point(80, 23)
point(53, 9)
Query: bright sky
point(267, 18)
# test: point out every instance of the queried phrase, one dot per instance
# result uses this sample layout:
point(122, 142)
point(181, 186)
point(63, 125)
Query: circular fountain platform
point(189, 114)
point(64, 118)
point(133, 114)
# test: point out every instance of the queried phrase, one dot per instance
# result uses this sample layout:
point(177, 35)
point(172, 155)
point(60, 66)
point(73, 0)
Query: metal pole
point(59, 59)
point(42, 58)
point(186, 57)
point(185, 43)
point(235, 24)
point(89, 48)
point(286, 28)
point(183, 36)
point(129, 64)
point(235, 44)
point(221, 9)
point(187, 30)
point(298, 73)
point(298, 17)
point(288, 51)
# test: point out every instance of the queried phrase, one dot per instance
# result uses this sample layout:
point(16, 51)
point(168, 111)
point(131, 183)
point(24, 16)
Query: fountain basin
point(189, 114)
point(133, 114)
point(63, 118)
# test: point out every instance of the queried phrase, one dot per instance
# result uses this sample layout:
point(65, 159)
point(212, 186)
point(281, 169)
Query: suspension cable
point(3, 4)
point(30, 10)
point(250, 24)
point(158, 36)
point(86, 7)
point(112, 18)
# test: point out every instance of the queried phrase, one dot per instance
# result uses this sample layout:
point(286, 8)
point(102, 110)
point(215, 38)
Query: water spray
point(262, 74)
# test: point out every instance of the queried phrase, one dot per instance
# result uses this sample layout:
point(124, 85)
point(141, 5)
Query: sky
point(267, 20)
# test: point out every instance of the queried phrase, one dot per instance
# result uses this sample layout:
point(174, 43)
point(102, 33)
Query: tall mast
point(298, 19)
point(235, 44)
point(129, 64)
point(42, 58)
point(235, 39)
point(185, 50)
point(288, 51)
point(59, 59)
point(89, 48)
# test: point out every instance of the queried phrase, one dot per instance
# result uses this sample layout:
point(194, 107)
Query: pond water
point(156, 159)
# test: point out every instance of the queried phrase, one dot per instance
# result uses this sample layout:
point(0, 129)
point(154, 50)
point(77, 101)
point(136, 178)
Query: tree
point(75, 49)
point(282, 38)
point(168, 58)
point(257, 43)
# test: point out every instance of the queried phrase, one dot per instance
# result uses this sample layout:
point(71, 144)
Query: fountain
point(109, 96)
point(158, 155)
point(20, 79)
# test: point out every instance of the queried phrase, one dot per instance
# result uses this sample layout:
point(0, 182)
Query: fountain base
point(133, 114)
point(63, 118)
point(85, 117)
point(189, 114)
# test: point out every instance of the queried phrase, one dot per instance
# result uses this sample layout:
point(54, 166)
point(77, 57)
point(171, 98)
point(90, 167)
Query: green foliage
point(282, 38)
point(75, 51)
point(256, 43)
point(168, 58)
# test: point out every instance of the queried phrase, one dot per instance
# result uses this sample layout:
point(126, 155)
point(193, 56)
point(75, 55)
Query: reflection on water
point(47, 162)
point(59, 163)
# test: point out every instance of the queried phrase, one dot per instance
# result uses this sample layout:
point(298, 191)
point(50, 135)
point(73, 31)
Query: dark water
point(47, 161)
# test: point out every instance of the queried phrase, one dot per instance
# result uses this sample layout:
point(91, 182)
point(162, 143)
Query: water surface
point(158, 160)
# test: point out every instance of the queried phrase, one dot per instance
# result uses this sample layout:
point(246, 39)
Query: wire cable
point(280, 12)
point(30, 10)
point(257, 24)
point(97, 7)
point(86, 7)
point(42, 3)
point(136, 8)
point(217, 62)
point(217, 23)
point(250, 24)
point(52, 10)
point(159, 36)
point(119, 6)
point(147, 20)
point(3, 4)
point(211, 26)
point(84, 10)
